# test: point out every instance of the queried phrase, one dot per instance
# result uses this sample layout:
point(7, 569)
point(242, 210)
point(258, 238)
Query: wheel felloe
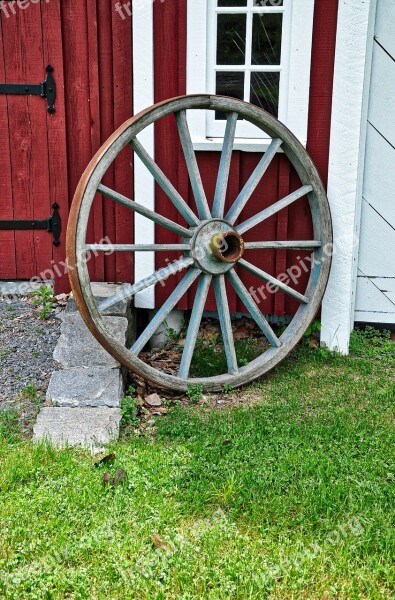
point(212, 244)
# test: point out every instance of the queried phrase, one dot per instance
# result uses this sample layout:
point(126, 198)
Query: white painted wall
point(375, 297)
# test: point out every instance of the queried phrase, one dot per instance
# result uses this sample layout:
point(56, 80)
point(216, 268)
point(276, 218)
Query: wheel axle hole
point(228, 247)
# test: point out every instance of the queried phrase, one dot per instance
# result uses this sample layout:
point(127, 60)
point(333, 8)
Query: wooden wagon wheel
point(211, 243)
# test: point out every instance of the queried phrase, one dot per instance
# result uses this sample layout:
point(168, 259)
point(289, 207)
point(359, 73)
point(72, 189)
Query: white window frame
point(294, 80)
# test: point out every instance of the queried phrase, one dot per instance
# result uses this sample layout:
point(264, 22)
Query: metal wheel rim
point(76, 244)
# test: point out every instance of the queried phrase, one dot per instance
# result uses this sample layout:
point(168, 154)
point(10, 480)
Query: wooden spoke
point(253, 181)
point(273, 209)
point(137, 247)
point(193, 169)
point(225, 322)
point(142, 210)
point(163, 312)
point(252, 308)
point(292, 245)
point(224, 167)
point(128, 291)
point(273, 281)
point(164, 183)
point(209, 246)
point(194, 324)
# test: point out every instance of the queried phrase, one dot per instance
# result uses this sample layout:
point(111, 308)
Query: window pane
point(231, 40)
point(266, 39)
point(268, 3)
point(265, 89)
point(229, 84)
point(227, 3)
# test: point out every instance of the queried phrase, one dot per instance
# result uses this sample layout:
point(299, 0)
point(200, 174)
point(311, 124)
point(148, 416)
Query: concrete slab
point(90, 386)
point(15, 289)
point(101, 291)
point(78, 348)
point(87, 427)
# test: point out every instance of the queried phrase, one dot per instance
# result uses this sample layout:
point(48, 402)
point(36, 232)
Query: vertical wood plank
point(77, 95)
point(93, 65)
point(265, 194)
point(300, 227)
point(321, 83)
point(282, 230)
point(7, 238)
point(168, 78)
point(29, 156)
point(105, 41)
point(123, 102)
point(56, 130)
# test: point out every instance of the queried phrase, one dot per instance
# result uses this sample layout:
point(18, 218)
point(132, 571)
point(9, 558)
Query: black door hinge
point(46, 89)
point(52, 224)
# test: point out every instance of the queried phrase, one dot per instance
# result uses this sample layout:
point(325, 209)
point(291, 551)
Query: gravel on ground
point(26, 346)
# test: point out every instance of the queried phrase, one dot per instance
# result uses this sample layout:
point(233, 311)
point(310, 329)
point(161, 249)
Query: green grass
point(209, 356)
point(291, 496)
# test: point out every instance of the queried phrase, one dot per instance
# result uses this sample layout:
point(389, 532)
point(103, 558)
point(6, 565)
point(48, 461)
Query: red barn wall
point(98, 93)
point(42, 157)
point(293, 223)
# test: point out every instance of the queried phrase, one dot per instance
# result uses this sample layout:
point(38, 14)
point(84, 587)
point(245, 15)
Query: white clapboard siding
point(377, 244)
point(375, 294)
point(382, 92)
point(379, 182)
point(375, 299)
point(385, 21)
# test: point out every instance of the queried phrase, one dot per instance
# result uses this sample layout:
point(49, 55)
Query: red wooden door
point(33, 160)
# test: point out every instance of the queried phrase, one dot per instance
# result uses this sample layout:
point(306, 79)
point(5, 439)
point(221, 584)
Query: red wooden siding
point(7, 238)
point(98, 85)
point(293, 223)
point(32, 164)
point(42, 157)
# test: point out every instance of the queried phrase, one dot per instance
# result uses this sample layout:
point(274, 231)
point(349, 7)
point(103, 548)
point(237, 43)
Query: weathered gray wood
point(321, 227)
point(164, 183)
point(142, 210)
point(224, 167)
point(253, 181)
point(272, 280)
point(137, 247)
point(193, 169)
point(252, 308)
point(128, 291)
point(291, 245)
point(273, 209)
point(225, 322)
point(194, 324)
point(163, 312)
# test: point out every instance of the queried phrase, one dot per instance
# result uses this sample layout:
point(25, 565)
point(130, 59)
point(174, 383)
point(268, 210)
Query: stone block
point(91, 386)
point(88, 427)
point(78, 348)
point(101, 291)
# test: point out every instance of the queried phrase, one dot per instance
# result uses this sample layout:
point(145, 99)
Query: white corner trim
point(144, 189)
point(300, 44)
point(347, 147)
point(197, 32)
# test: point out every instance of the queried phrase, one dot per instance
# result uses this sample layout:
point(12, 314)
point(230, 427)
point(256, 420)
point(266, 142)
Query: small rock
point(161, 410)
point(153, 400)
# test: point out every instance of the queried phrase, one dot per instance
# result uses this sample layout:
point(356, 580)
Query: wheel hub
point(217, 246)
